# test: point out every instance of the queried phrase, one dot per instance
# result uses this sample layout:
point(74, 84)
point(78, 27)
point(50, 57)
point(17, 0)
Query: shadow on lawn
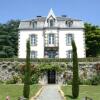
point(70, 97)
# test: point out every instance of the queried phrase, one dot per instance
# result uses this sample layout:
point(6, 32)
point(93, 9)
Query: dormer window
point(51, 22)
point(34, 24)
point(69, 23)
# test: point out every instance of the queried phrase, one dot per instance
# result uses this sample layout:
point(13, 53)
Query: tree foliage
point(9, 39)
point(75, 81)
point(92, 35)
point(26, 90)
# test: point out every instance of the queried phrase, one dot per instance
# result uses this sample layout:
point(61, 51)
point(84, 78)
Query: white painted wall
point(23, 36)
point(79, 40)
point(78, 37)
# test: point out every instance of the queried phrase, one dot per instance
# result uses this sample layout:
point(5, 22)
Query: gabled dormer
point(51, 19)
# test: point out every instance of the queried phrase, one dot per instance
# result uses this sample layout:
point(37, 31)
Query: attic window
point(34, 24)
point(51, 23)
point(69, 23)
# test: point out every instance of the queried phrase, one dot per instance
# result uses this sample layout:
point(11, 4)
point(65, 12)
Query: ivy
point(52, 66)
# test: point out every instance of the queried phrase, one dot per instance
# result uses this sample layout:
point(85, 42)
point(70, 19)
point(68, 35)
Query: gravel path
point(50, 92)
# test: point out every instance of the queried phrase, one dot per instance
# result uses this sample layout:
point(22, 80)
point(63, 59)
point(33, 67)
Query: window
point(33, 39)
point(69, 38)
point(51, 23)
point(34, 24)
point(33, 54)
point(69, 54)
point(51, 54)
point(51, 38)
point(69, 23)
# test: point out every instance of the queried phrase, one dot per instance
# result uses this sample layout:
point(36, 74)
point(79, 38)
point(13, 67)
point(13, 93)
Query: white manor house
point(50, 37)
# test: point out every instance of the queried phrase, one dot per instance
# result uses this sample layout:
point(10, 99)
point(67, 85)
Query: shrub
point(69, 82)
point(14, 80)
point(84, 82)
point(1, 82)
point(95, 80)
point(34, 79)
point(10, 81)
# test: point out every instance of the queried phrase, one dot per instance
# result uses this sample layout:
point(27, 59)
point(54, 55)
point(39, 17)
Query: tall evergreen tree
point(75, 81)
point(26, 90)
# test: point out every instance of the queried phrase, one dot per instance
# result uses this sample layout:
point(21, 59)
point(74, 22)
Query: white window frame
point(33, 54)
point(51, 22)
point(34, 24)
point(33, 39)
point(51, 39)
point(69, 54)
point(69, 38)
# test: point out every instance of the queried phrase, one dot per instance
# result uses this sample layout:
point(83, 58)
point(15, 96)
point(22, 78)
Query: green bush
point(15, 79)
point(1, 82)
point(34, 79)
point(95, 80)
point(69, 82)
point(81, 82)
point(10, 81)
point(84, 82)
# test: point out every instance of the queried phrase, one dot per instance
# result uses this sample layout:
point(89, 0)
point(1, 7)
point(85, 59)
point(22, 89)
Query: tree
point(26, 90)
point(9, 39)
point(75, 81)
point(92, 35)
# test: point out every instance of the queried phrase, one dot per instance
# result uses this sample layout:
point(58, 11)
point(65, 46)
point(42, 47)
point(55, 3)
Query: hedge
point(52, 59)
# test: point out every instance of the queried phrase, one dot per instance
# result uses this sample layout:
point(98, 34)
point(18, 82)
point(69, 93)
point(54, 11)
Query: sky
point(86, 10)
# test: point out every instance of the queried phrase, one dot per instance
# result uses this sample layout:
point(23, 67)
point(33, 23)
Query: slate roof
point(60, 18)
point(27, 24)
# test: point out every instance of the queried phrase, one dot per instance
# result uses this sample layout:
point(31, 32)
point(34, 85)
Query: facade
point(50, 37)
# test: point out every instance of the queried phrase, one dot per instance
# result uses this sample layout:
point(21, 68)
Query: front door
point(51, 54)
point(51, 77)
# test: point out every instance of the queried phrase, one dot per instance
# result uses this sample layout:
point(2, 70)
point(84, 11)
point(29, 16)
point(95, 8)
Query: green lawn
point(15, 91)
point(90, 91)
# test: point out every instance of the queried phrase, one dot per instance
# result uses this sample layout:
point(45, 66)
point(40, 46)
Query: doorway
point(51, 54)
point(51, 77)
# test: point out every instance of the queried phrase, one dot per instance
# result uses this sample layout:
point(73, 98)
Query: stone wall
point(9, 69)
point(86, 70)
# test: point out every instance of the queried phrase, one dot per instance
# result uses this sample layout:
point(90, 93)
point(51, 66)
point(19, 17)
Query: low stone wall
point(9, 69)
point(86, 70)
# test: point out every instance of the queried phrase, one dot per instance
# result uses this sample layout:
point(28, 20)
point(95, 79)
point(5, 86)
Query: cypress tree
point(75, 81)
point(26, 90)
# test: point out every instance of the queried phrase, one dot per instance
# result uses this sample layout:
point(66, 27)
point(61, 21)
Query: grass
point(15, 91)
point(89, 91)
